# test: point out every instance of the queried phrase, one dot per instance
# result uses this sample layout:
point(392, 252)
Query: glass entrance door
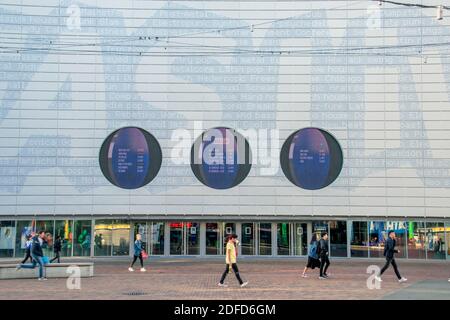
point(248, 239)
point(184, 238)
point(265, 239)
point(176, 238)
point(229, 228)
point(300, 235)
point(213, 239)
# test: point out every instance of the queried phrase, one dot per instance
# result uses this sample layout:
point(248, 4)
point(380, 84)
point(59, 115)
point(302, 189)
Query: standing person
point(37, 255)
point(230, 260)
point(57, 249)
point(138, 249)
point(28, 250)
point(313, 257)
point(323, 254)
point(389, 251)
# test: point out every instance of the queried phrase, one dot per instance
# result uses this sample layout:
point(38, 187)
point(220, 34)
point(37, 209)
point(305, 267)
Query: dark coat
point(36, 248)
point(323, 247)
point(57, 246)
point(389, 248)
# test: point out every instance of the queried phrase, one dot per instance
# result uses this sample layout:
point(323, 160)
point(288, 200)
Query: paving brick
point(197, 279)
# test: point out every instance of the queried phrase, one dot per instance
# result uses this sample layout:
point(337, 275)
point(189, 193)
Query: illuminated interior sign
point(311, 158)
point(130, 158)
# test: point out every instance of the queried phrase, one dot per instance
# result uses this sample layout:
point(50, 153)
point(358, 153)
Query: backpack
point(313, 251)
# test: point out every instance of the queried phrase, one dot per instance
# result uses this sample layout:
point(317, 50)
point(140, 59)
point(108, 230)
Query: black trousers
point(324, 264)
point(27, 256)
point(140, 259)
point(236, 272)
point(394, 264)
point(57, 257)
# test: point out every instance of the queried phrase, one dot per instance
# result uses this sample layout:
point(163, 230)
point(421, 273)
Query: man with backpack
point(322, 251)
point(389, 251)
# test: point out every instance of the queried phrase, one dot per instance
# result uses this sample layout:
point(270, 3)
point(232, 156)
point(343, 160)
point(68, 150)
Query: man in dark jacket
point(57, 249)
point(389, 251)
point(37, 254)
point(323, 255)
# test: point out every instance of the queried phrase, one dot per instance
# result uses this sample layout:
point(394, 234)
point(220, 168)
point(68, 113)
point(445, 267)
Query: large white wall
point(390, 111)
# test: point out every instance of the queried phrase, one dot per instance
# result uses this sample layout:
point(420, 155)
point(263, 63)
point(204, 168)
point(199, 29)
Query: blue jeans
point(36, 260)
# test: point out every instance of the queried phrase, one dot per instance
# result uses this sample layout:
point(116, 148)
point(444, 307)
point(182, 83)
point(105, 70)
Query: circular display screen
point(130, 158)
point(311, 158)
point(221, 158)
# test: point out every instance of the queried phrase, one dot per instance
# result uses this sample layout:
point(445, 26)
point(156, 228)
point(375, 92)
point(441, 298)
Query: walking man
point(37, 255)
point(323, 254)
point(230, 260)
point(389, 251)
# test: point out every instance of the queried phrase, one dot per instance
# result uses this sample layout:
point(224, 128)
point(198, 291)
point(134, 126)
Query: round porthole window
point(311, 158)
point(221, 158)
point(130, 158)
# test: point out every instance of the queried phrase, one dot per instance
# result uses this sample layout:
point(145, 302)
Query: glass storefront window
point(435, 245)
point(64, 229)
point(338, 238)
point(7, 233)
point(318, 227)
point(265, 239)
point(447, 232)
point(24, 229)
point(121, 238)
point(301, 239)
point(112, 237)
point(103, 238)
point(378, 233)
point(82, 238)
point(213, 240)
point(359, 245)
point(416, 240)
point(283, 239)
point(48, 227)
point(248, 239)
point(157, 238)
point(376, 238)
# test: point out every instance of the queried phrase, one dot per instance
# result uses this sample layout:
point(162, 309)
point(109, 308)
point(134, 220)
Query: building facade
point(344, 107)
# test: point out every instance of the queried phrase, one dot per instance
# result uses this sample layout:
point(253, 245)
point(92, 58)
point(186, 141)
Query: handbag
point(144, 254)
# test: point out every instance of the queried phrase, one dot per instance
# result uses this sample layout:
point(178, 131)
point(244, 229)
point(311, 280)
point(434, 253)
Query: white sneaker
point(378, 278)
point(402, 280)
point(304, 276)
point(222, 285)
point(130, 269)
point(322, 278)
point(244, 284)
point(42, 279)
point(143, 270)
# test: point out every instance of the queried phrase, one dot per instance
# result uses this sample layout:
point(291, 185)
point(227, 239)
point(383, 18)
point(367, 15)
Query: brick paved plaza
point(269, 279)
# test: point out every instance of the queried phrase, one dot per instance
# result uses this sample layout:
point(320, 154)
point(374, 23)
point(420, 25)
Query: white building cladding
point(375, 77)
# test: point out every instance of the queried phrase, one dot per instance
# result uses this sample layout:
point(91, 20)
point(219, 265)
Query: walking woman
point(57, 246)
point(138, 250)
point(28, 249)
point(231, 263)
point(313, 257)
